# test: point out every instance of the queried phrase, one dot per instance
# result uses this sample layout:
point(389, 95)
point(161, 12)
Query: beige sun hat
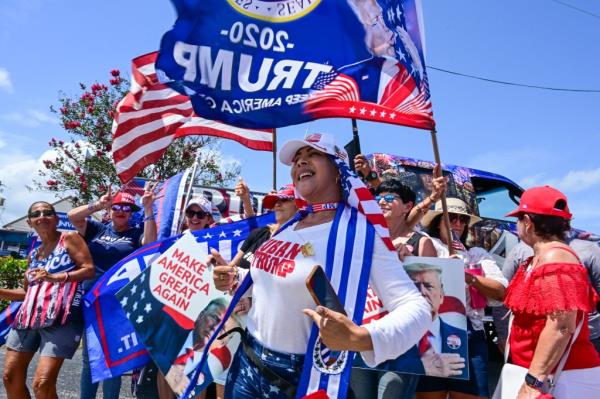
point(455, 205)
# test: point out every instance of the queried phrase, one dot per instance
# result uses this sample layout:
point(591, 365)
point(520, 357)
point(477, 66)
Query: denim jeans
point(110, 388)
point(244, 380)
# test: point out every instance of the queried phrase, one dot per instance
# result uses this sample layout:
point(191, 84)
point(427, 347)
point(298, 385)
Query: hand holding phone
point(321, 290)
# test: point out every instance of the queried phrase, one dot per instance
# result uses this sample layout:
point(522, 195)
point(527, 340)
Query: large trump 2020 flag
point(272, 63)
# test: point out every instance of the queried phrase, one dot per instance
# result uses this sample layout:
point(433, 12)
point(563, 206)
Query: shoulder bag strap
point(565, 356)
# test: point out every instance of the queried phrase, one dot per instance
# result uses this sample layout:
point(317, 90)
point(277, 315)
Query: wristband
point(371, 176)
point(533, 382)
point(147, 218)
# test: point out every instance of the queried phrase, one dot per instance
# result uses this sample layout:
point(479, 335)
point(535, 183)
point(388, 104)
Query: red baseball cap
point(286, 192)
point(543, 200)
point(126, 199)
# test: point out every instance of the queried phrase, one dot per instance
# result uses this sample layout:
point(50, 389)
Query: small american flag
point(152, 115)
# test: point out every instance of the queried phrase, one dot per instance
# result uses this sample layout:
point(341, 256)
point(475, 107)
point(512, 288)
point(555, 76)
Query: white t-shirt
point(279, 271)
point(481, 257)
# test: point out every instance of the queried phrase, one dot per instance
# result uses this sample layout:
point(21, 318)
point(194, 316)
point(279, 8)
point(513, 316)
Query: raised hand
point(439, 183)
point(361, 165)
point(241, 189)
point(149, 195)
point(106, 200)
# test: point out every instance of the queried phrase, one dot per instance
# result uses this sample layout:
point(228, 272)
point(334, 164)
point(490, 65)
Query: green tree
point(83, 167)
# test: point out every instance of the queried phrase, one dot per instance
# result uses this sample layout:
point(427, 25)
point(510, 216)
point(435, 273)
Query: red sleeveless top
point(532, 295)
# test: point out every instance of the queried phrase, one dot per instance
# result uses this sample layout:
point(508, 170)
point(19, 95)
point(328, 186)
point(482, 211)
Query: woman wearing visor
point(289, 348)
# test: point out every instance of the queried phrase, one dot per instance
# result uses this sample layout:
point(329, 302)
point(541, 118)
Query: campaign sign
point(273, 63)
point(164, 301)
point(443, 351)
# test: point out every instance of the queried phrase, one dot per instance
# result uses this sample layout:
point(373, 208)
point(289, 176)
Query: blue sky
point(531, 136)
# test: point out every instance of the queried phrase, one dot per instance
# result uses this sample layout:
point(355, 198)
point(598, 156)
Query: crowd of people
point(359, 230)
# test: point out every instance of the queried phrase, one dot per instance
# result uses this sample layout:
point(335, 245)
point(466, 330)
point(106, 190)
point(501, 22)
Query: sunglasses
point(122, 208)
point(389, 198)
point(200, 214)
point(43, 212)
point(464, 219)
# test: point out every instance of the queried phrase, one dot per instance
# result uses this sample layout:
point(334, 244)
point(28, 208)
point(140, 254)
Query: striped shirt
point(48, 303)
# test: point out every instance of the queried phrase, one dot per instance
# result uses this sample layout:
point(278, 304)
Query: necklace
point(307, 248)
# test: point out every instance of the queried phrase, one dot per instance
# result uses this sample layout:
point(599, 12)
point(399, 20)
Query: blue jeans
point(244, 380)
point(110, 388)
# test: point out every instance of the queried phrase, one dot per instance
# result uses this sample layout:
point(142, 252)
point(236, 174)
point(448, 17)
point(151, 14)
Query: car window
point(495, 199)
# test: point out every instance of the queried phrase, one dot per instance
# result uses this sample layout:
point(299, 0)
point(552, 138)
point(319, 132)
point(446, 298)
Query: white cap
point(319, 141)
point(202, 202)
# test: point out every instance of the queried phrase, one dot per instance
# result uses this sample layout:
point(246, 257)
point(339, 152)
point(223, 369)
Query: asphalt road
point(68, 380)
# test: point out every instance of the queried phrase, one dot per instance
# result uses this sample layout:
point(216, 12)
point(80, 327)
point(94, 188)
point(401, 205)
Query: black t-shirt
point(255, 239)
point(415, 241)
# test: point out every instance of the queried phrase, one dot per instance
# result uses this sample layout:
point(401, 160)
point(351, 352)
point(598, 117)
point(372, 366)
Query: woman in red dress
point(549, 296)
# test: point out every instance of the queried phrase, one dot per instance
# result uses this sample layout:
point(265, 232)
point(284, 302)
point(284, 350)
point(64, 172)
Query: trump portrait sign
point(273, 63)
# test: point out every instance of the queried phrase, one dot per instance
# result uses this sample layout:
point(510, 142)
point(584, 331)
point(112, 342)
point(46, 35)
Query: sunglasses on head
point(464, 219)
point(122, 208)
point(200, 214)
point(389, 198)
point(43, 212)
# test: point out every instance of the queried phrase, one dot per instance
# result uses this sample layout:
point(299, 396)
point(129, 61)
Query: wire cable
point(576, 8)
point(513, 83)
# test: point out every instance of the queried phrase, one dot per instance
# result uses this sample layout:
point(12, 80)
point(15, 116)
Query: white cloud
point(573, 182)
point(17, 172)
point(5, 83)
point(29, 118)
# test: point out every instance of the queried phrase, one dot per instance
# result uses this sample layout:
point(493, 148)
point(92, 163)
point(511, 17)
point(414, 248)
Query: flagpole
point(188, 193)
point(355, 135)
point(274, 159)
point(436, 154)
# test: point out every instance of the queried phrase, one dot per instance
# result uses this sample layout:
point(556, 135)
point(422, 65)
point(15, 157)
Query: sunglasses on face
point(389, 198)
point(122, 208)
point(464, 219)
point(200, 214)
point(43, 212)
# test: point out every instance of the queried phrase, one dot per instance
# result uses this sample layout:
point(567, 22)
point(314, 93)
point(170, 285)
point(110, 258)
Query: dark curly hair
point(395, 185)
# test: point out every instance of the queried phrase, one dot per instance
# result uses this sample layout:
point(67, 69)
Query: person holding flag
point(289, 348)
point(50, 319)
point(108, 244)
point(485, 285)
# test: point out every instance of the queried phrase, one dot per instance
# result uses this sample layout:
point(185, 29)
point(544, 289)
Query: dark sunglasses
point(43, 212)
point(122, 208)
point(200, 214)
point(389, 198)
point(464, 219)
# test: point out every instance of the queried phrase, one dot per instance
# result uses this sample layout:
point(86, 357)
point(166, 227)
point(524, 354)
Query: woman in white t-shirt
point(344, 232)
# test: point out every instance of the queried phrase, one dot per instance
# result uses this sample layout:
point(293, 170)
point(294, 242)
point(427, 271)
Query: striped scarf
point(348, 264)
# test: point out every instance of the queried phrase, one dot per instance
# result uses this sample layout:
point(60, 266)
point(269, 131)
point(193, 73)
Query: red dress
point(534, 294)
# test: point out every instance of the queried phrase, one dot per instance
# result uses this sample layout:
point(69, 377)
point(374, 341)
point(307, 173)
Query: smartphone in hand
point(321, 290)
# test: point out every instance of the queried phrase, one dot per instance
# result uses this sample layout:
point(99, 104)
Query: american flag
point(401, 98)
point(152, 115)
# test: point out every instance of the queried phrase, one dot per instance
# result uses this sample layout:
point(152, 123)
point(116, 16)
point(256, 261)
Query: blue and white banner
point(272, 63)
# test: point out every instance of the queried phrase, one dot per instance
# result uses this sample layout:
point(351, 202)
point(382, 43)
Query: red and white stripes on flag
point(152, 115)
